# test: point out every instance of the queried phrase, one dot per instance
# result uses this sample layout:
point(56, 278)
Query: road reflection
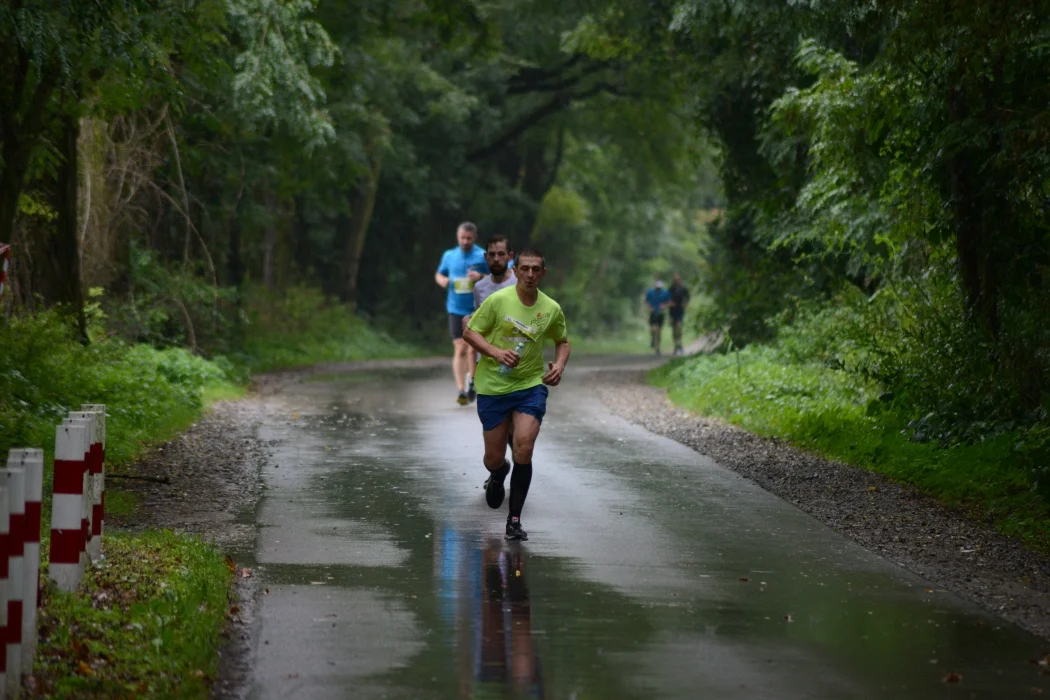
point(484, 597)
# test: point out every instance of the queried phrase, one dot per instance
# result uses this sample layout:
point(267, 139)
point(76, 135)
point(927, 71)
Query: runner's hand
point(553, 376)
point(506, 357)
point(474, 275)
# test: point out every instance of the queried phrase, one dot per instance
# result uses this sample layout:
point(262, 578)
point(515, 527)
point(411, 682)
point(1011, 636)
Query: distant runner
point(679, 300)
point(657, 299)
point(509, 330)
point(460, 268)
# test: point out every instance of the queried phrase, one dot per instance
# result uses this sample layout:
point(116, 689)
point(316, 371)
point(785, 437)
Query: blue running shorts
point(493, 410)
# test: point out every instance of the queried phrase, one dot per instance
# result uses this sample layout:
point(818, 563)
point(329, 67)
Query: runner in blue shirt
point(459, 269)
point(657, 299)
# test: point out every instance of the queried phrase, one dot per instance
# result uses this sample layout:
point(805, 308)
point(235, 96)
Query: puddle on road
point(616, 596)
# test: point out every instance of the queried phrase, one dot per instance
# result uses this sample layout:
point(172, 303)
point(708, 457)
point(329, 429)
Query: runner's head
point(498, 254)
point(530, 267)
point(677, 279)
point(466, 234)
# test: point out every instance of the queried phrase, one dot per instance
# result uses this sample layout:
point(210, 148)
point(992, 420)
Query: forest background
point(856, 192)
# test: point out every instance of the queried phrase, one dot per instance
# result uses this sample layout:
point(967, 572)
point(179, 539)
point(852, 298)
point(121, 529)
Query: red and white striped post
point(92, 548)
point(85, 496)
point(5, 536)
point(16, 538)
point(98, 491)
point(72, 443)
point(31, 460)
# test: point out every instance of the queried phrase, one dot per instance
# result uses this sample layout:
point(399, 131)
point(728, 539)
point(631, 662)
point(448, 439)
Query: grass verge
point(146, 623)
point(838, 415)
point(299, 327)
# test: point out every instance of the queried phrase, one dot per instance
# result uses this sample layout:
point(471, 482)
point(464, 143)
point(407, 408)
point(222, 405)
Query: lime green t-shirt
point(504, 322)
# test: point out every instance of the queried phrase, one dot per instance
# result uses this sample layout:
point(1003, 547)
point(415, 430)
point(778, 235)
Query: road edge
point(904, 526)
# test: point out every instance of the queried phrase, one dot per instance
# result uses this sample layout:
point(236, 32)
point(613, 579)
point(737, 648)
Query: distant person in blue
point(460, 268)
point(657, 299)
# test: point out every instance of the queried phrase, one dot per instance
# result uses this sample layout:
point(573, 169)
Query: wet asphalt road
point(650, 572)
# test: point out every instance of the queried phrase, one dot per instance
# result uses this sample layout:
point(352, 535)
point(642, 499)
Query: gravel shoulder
point(917, 532)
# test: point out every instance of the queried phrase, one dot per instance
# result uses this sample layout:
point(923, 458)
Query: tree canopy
point(180, 155)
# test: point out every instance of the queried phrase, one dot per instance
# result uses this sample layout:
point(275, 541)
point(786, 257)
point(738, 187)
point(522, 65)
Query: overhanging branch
point(552, 106)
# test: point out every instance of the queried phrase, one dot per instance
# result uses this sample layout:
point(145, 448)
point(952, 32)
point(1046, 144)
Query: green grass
point(838, 415)
point(300, 327)
point(147, 623)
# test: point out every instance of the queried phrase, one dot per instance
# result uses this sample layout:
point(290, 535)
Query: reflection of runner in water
point(504, 650)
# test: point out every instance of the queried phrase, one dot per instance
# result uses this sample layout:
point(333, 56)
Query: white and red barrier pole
point(31, 461)
point(89, 421)
point(92, 545)
point(5, 564)
point(16, 482)
point(72, 443)
point(98, 506)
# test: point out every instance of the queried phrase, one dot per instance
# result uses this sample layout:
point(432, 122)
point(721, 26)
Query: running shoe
point(494, 492)
point(514, 531)
point(462, 399)
point(472, 393)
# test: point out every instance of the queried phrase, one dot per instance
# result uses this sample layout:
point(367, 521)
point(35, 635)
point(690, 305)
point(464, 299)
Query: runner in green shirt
point(509, 330)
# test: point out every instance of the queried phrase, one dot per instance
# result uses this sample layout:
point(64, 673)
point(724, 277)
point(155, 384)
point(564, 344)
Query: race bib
point(463, 285)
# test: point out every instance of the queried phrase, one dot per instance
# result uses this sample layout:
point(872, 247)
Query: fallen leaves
point(953, 678)
point(245, 573)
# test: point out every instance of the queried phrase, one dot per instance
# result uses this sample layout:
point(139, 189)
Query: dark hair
point(531, 253)
point(498, 238)
point(467, 226)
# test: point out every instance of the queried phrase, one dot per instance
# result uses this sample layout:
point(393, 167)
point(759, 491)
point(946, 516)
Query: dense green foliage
point(149, 393)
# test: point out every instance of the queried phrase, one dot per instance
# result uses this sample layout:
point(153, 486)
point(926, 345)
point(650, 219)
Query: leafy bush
point(299, 326)
point(44, 373)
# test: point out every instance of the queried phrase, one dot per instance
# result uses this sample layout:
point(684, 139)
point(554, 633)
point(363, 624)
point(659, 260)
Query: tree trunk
point(362, 202)
point(234, 264)
point(270, 244)
point(62, 275)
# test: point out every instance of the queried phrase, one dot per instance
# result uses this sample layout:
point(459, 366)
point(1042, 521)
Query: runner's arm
point(478, 342)
point(557, 368)
point(443, 272)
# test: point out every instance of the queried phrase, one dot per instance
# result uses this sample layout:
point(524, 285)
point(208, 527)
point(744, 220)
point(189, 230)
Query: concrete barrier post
point(5, 536)
point(93, 543)
point(89, 421)
point(98, 514)
point(32, 462)
point(16, 481)
point(67, 507)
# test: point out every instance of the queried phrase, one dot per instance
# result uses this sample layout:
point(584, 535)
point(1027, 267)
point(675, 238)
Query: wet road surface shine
point(649, 573)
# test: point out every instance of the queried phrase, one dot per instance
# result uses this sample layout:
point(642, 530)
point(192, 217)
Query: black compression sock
point(519, 487)
point(500, 473)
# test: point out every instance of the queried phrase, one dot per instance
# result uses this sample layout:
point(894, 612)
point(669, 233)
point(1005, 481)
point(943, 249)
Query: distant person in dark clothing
point(679, 300)
point(657, 299)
